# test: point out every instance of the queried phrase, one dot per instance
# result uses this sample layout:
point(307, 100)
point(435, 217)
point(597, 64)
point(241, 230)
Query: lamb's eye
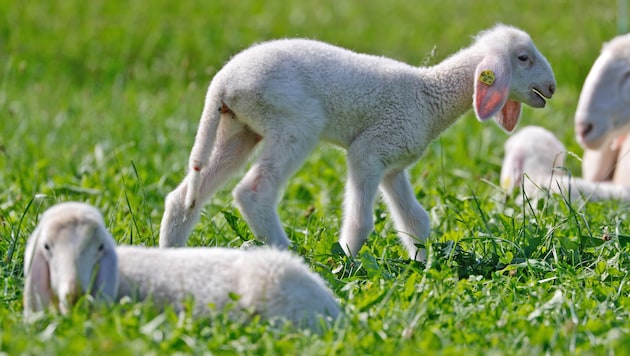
point(523, 57)
point(46, 246)
point(101, 247)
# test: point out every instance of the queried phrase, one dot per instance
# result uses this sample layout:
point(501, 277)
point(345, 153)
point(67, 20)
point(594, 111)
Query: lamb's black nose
point(583, 129)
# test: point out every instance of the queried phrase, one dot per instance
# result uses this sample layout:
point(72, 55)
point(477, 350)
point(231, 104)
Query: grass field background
point(100, 101)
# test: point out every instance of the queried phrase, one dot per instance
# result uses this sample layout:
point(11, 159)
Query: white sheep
point(71, 253)
point(290, 94)
point(534, 160)
point(602, 117)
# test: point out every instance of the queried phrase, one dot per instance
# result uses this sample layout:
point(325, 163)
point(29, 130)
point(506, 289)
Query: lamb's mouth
point(540, 95)
point(538, 99)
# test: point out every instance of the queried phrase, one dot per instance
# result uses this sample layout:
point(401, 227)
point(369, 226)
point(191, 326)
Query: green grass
point(100, 101)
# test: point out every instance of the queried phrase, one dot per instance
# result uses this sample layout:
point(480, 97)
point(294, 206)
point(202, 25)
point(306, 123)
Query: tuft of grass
point(100, 102)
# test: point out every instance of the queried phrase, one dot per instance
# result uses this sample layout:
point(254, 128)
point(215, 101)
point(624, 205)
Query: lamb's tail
point(204, 143)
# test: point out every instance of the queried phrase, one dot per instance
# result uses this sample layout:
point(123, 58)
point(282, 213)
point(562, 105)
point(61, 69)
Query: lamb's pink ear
point(492, 85)
point(106, 281)
point(509, 115)
point(37, 291)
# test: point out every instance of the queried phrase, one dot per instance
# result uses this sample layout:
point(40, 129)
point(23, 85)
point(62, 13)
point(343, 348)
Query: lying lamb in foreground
point(288, 95)
point(534, 160)
point(71, 254)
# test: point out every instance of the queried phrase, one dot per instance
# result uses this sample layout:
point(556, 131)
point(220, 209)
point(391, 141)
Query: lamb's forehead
point(618, 47)
point(68, 220)
point(504, 36)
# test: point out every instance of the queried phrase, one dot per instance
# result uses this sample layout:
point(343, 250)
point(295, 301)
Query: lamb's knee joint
point(244, 195)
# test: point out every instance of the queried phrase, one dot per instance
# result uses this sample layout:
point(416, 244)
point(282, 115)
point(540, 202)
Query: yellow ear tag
point(486, 77)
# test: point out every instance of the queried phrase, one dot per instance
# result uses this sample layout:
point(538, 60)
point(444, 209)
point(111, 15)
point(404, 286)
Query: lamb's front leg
point(361, 188)
point(410, 218)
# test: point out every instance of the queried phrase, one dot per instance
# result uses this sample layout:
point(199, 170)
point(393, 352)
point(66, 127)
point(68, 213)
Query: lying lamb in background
point(290, 94)
point(71, 254)
point(534, 160)
point(602, 118)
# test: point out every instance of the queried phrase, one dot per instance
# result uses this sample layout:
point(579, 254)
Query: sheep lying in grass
point(71, 253)
point(602, 118)
point(534, 158)
point(290, 94)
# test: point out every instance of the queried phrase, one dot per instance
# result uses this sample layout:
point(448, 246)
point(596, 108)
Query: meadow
point(100, 102)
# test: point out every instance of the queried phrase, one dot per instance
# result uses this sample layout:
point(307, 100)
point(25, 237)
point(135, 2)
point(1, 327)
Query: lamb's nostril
point(552, 88)
point(585, 128)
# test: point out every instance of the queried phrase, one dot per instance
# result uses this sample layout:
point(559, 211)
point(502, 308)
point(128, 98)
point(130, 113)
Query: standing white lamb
point(290, 94)
point(71, 253)
point(534, 160)
point(602, 118)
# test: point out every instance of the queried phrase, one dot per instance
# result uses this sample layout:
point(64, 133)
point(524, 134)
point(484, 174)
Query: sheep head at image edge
point(603, 110)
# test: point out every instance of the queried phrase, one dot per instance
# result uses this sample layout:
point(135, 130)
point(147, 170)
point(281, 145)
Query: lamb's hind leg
point(257, 193)
point(364, 174)
point(230, 153)
point(410, 218)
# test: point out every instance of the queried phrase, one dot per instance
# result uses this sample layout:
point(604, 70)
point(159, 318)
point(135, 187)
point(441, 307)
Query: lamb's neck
point(451, 83)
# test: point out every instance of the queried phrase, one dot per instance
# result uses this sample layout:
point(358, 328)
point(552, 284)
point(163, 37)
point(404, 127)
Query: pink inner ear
point(490, 95)
point(509, 115)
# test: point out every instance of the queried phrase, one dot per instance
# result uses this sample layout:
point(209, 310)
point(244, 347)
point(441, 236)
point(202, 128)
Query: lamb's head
point(603, 110)
point(533, 151)
point(69, 254)
point(511, 72)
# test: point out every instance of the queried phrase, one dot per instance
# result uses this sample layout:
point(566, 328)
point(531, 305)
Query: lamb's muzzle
point(539, 96)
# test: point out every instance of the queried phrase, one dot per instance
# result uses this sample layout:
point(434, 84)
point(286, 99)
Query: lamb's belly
point(343, 130)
